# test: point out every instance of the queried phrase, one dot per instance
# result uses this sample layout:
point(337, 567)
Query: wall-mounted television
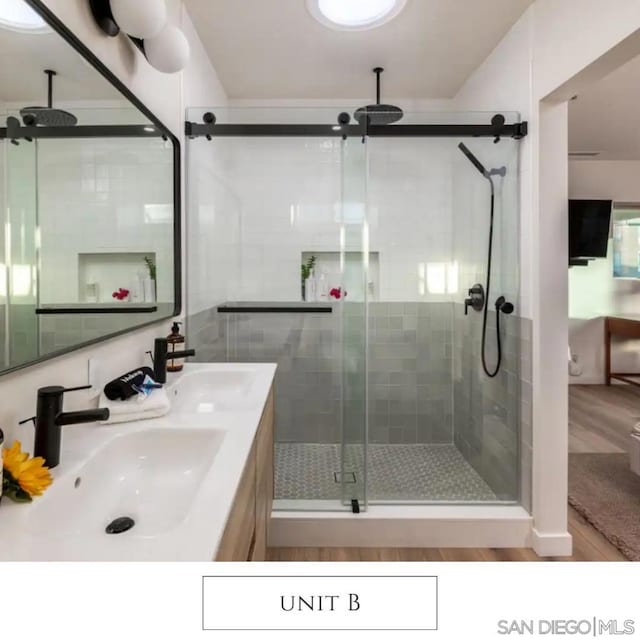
point(589, 223)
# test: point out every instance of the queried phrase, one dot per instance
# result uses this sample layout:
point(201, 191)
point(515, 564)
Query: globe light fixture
point(140, 19)
point(145, 22)
point(168, 51)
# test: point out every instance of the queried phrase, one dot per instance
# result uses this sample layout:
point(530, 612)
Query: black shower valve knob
point(504, 306)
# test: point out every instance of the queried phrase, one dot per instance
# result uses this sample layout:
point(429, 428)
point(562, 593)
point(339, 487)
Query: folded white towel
point(139, 407)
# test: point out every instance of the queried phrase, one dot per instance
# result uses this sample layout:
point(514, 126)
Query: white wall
point(165, 95)
point(593, 291)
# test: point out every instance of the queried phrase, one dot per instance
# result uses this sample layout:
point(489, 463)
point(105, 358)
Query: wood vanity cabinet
point(245, 536)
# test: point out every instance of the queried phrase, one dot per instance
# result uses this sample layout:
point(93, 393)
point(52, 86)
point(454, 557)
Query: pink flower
point(337, 293)
point(120, 294)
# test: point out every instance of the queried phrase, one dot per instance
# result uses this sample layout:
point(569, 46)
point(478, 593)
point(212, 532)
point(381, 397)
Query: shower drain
point(349, 477)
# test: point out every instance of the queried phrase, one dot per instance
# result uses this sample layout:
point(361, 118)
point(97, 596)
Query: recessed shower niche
point(100, 275)
point(330, 274)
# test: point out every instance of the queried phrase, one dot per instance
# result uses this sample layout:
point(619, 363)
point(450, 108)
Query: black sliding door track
point(517, 130)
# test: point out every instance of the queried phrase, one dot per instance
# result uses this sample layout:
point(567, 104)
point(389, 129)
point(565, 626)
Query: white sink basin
point(175, 476)
point(151, 476)
point(205, 391)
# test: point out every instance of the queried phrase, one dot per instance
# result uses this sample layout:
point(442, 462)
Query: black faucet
point(50, 418)
point(161, 354)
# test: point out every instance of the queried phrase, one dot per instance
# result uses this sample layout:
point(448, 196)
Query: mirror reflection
point(87, 199)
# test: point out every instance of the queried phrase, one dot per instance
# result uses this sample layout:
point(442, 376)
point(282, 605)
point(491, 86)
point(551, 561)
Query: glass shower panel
point(440, 429)
point(265, 214)
point(353, 295)
point(411, 452)
point(487, 412)
point(21, 247)
point(362, 252)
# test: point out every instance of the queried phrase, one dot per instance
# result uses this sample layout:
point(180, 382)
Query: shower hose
point(494, 373)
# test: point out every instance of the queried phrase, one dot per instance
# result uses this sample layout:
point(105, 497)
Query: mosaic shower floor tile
point(405, 472)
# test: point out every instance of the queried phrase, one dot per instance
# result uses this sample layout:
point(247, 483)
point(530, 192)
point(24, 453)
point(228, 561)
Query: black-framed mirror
point(89, 194)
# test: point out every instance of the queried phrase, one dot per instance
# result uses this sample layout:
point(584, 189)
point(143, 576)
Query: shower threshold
point(404, 526)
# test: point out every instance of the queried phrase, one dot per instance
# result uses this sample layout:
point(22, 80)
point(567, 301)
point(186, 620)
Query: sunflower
point(24, 477)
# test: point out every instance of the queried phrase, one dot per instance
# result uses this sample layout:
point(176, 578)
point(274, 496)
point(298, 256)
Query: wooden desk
point(623, 327)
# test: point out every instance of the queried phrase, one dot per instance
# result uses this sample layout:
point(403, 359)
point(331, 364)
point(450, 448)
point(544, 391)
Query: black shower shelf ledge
point(276, 307)
point(125, 307)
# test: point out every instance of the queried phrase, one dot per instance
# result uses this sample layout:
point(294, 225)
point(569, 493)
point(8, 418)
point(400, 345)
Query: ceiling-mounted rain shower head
point(378, 114)
point(48, 116)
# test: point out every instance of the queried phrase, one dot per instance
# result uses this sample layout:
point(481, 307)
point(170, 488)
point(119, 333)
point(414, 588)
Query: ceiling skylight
point(17, 15)
point(353, 15)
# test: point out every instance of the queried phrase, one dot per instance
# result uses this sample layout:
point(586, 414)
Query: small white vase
point(149, 290)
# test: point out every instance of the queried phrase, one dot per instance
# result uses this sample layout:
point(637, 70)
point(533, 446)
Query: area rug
point(606, 492)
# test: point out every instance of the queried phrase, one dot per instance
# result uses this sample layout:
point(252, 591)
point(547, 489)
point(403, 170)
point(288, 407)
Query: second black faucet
point(161, 355)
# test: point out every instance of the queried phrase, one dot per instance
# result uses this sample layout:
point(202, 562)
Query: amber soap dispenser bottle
point(175, 342)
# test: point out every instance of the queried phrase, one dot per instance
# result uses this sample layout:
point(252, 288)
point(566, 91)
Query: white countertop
point(197, 536)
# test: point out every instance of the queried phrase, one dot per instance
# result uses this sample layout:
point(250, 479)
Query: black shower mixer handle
point(475, 300)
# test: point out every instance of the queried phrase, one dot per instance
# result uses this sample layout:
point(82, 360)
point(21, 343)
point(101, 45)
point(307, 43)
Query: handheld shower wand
point(502, 306)
point(500, 171)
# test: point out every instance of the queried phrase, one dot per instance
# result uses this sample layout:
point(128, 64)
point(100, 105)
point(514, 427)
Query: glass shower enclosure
point(346, 253)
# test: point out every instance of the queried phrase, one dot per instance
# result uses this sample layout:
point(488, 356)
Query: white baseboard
point(405, 526)
point(551, 544)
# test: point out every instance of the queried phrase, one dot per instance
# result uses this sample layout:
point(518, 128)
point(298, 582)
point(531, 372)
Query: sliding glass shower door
point(353, 295)
point(381, 394)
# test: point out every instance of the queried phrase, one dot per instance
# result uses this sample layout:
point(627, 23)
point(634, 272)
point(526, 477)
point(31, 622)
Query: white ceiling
point(274, 49)
point(26, 56)
point(605, 118)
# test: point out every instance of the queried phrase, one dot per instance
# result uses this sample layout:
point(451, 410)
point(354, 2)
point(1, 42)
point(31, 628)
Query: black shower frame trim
point(517, 131)
point(63, 31)
point(53, 310)
point(83, 131)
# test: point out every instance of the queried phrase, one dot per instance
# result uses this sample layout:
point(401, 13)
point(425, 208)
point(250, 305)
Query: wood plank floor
point(600, 419)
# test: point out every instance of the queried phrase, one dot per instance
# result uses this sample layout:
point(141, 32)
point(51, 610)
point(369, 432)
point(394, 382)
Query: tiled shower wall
point(492, 423)
point(124, 187)
point(410, 360)
point(426, 384)
point(32, 336)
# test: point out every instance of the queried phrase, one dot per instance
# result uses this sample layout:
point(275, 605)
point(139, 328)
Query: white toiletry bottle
point(149, 294)
point(310, 288)
point(137, 289)
point(322, 292)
